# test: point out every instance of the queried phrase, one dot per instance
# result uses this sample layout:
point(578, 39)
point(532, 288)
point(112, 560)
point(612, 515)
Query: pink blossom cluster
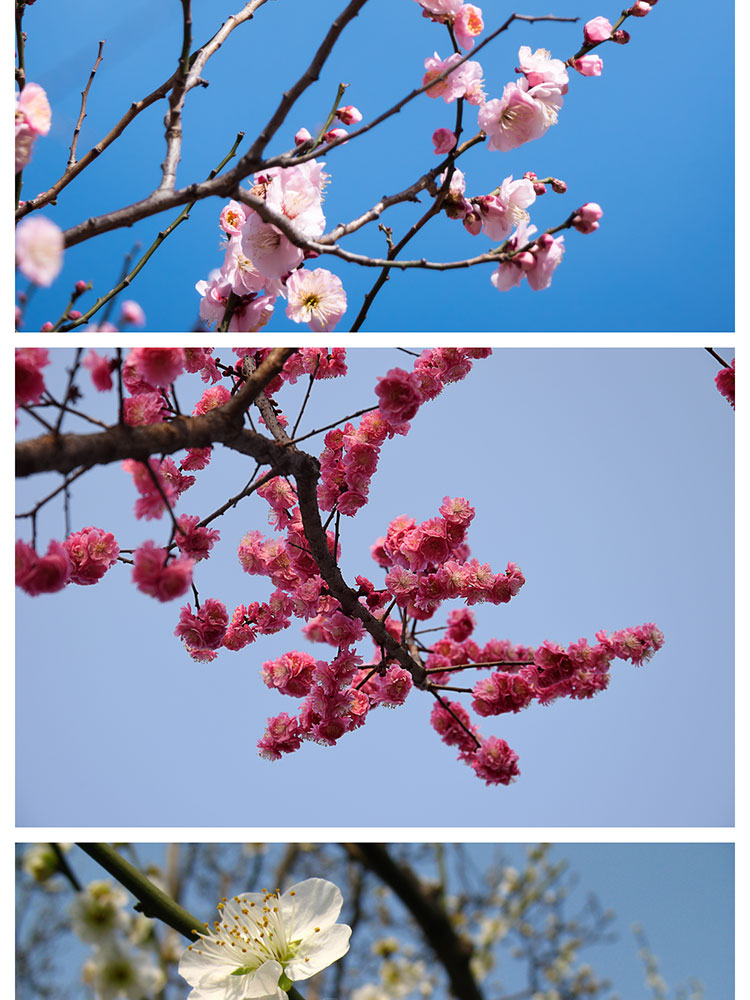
point(725, 382)
point(542, 675)
point(155, 574)
point(83, 558)
point(33, 118)
point(428, 563)
point(464, 18)
point(536, 262)
point(350, 457)
point(261, 263)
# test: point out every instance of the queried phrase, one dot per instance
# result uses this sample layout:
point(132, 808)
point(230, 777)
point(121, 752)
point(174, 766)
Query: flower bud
point(473, 221)
point(588, 65)
point(74, 314)
point(640, 9)
point(302, 136)
point(529, 176)
point(540, 189)
point(349, 115)
point(598, 29)
point(584, 227)
point(335, 133)
point(621, 37)
point(443, 140)
point(590, 212)
point(81, 287)
point(46, 327)
point(545, 241)
point(558, 186)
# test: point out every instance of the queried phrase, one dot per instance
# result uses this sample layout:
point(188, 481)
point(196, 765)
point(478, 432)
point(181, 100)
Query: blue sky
point(648, 141)
point(682, 895)
point(607, 475)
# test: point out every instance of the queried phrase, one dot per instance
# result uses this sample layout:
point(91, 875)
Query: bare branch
point(82, 115)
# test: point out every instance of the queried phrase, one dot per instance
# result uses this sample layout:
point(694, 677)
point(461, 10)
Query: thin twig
point(82, 115)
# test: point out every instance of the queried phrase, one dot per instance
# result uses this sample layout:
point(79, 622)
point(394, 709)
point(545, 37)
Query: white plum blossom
point(265, 942)
point(97, 912)
point(317, 298)
point(114, 971)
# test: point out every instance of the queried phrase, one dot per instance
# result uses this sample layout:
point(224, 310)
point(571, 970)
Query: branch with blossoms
point(309, 497)
point(427, 920)
point(273, 224)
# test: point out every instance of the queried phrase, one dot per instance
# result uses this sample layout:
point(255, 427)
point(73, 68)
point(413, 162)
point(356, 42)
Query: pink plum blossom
point(513, 119)
point(441, 8)
point(29, 378)
point(100, 369)
point(233, 217)
point(725, 383)
point(33, 104)
point(398, 395)
point(158, 365)
point(540, 68)
point(193, 539)
point(317, 298)
point(91, 552)
point(155, 576)
point(468, 25)
point(42, 574)
point(39, 249)
point(206, 628)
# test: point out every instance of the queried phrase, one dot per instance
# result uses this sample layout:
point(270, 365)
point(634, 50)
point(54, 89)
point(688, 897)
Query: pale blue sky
point(648, 140)
point(607, 475)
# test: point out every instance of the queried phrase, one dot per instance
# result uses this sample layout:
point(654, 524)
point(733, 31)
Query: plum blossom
point(514, 119)
point(468, 25)
point(114, 971)
point(39, 249)
point(29, 378)
point(97, 913)
point(443, 140)
point(264, 942)
point(725, 383)
point(317, 298)
point(33, 118)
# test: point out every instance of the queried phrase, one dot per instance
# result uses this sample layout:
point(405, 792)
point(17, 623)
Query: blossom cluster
point(725, 382)
point(424, 565)
point(261, 263)
point(120, 964)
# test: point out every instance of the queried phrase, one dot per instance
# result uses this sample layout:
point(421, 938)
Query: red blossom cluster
point(424, 566)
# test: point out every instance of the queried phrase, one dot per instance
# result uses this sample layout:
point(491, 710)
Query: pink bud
point(598, 29)
point(558, 186)
point(443, 140)
point(302, 136)
point(81, 287)
point(349, 115)
point(529, 176)
point(545, 241)
point(640, 9)
point(74, 314)
point(473, 222)
point(525, 260)
point(46, 327)
point(131, 312)
point(590, 212)
point(584, 227)
point(335, 133)
point(540, 189)
point(589, 65)
point(621, 37)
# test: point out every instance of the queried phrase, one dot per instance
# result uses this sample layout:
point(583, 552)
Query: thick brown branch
point(452, 951)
